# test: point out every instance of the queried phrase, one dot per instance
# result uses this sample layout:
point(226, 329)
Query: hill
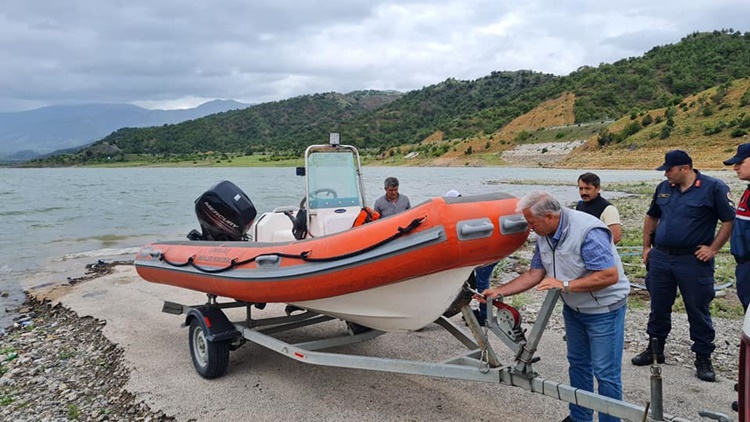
point(708, 125)
point(455, 119)
point(44, 130)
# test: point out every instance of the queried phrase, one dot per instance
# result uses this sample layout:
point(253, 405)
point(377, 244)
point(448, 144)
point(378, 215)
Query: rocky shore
point(56, 366)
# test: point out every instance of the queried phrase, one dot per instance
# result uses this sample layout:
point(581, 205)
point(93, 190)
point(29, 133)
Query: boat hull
point(402, 306)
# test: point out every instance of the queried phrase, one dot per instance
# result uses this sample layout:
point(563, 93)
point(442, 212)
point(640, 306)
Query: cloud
point(168, 53)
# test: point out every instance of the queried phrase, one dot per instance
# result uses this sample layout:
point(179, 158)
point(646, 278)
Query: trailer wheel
point(210, 358)
point(463, 298)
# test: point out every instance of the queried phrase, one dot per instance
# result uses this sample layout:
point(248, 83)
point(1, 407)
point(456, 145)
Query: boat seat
point(325, 221)
point(274, 227)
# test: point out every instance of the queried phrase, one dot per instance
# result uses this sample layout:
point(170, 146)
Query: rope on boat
point(305, 255)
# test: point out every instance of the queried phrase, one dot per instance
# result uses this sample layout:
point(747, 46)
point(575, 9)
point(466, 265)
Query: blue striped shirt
point(595, 250)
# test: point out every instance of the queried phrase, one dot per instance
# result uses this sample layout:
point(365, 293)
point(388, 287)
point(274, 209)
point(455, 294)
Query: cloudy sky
point(177, 53)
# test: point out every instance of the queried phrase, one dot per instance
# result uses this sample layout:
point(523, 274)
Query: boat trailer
point(213, 335)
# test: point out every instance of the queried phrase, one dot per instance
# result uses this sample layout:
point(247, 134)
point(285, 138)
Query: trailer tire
point(210, 358)
point(463, 298)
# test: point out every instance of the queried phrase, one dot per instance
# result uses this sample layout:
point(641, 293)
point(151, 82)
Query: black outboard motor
point(224, 212)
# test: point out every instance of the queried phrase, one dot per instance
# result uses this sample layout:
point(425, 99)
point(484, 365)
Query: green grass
point(73, 411)
point(575, 132)
point(67, 354)
point(205, 161)
point(6, 400)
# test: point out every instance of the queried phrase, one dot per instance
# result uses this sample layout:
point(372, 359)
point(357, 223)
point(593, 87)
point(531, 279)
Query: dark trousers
point(695, 279)
point(742, 274)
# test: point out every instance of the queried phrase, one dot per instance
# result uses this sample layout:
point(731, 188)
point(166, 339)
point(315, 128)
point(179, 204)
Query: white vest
point(565, 263)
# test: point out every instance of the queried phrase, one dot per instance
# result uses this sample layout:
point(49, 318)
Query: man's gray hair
point(391, 182)
point(539, 203)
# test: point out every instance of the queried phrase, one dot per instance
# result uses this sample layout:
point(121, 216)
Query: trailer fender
point(215, 323)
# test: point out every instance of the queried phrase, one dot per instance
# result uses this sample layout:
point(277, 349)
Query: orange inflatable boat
point(395, 273)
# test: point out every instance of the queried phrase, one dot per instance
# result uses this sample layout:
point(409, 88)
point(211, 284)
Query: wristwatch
point(566, 286)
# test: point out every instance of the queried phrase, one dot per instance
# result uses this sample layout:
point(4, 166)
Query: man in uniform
point(682, 223)
point(740, 241)
point(589, 187)
point(392, 202)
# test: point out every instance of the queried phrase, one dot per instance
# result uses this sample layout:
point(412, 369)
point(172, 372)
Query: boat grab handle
point(266, 260)
point(474, 229)
point(513, 224)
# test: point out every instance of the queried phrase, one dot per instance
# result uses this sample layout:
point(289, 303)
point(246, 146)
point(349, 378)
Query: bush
point(631, 129)
point(523, 136)
point(745, 99)
point(738, 133)
point(647, 120)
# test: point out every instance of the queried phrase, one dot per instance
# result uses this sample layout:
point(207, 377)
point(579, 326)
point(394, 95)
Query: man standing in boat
point(392, 202)
point(575, 253)
point(589, 188)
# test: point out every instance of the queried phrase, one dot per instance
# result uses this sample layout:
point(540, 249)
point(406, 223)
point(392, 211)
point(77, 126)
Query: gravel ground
point(56, 366)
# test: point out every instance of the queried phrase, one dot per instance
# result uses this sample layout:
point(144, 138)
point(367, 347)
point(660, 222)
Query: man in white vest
point(575, 253)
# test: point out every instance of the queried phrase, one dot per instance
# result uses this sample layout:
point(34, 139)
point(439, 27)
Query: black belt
point(676, 251)
point(742, 260)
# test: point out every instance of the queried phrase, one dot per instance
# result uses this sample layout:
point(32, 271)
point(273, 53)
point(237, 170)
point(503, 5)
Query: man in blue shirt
point(575, 253)
point(679, 244)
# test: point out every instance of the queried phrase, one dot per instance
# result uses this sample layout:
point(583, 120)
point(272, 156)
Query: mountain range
point(27, 134)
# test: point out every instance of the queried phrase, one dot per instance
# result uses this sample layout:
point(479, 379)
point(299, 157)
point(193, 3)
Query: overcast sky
point(178, 53)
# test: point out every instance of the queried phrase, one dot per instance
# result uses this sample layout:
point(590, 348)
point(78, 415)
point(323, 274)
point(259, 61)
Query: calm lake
point(55, 221)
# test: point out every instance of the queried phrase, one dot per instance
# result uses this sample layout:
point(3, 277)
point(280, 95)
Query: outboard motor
point(224, 212)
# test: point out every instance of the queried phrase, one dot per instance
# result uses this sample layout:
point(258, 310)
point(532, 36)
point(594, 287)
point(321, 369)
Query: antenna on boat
point(334, 139)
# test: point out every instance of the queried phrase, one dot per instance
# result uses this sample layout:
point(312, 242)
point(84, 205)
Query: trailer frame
point(480, 363)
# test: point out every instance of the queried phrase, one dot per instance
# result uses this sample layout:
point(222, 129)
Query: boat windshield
point(332, 180)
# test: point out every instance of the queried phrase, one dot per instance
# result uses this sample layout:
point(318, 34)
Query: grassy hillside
point(708, 125)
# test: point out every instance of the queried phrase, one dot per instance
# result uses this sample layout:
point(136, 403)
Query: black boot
point(703, 367)
point(647, 356)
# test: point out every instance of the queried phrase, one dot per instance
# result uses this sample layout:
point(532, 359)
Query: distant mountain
point(47, 129)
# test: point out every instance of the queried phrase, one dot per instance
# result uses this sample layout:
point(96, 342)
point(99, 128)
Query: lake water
point(55, 221)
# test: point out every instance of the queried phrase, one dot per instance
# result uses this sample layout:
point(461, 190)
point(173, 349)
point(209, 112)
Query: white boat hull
point(404, 306)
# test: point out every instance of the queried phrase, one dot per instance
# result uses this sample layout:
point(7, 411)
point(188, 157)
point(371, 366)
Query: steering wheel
point(325, 191)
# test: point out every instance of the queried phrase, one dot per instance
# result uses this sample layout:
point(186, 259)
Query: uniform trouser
point(742, 274)
point(695, 279)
